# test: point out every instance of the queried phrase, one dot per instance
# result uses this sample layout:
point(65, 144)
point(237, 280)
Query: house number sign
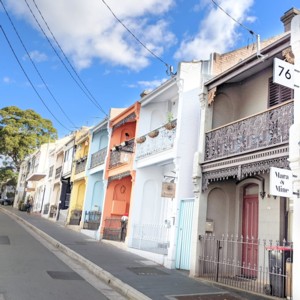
point(284, 74)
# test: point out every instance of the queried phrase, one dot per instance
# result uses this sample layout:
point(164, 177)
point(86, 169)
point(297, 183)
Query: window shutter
point(279, 93)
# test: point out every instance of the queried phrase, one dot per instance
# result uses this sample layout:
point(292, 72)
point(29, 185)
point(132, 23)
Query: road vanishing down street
point(43, 260)
point(32, 269)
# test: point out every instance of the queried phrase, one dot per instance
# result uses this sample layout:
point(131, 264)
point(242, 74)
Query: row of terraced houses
point(189, 164)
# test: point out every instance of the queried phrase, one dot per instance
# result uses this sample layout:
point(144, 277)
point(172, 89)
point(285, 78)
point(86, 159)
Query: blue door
point(184, 234)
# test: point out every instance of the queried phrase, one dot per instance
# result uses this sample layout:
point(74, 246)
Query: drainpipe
point(294, 158)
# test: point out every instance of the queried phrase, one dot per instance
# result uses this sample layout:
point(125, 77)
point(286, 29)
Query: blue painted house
point(95, 192)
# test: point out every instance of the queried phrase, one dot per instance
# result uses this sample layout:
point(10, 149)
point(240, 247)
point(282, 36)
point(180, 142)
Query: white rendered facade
point(165, 160)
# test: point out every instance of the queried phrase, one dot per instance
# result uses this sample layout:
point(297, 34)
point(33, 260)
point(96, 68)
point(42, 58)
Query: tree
point(8, 176)
point(22, 132)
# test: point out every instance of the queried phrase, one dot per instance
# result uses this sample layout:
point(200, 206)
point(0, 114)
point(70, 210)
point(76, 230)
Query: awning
point(36, 176)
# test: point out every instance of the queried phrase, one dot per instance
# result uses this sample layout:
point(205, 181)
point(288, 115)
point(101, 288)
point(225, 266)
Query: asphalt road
point(32, 270)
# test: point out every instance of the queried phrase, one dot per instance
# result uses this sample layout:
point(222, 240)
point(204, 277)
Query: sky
point(73, 60)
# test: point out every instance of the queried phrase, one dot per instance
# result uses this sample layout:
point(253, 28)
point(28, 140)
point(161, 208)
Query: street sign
point(283, 73)
point(281, 183)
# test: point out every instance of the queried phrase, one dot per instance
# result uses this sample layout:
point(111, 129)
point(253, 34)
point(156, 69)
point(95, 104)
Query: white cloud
point(7, 80)
point(217, 32)
point(88, 31)
point(151, 85)
point(147, 85)
point(37, 56)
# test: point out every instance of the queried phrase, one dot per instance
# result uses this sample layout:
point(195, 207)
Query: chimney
point(286, 19)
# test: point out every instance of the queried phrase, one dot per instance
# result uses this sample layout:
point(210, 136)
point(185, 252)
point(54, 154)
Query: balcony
point(156, 141)
point(50, 171)
point(58, 172)
point(121, 154)
point(258, 132)
point(98, 158)
point(80, 165)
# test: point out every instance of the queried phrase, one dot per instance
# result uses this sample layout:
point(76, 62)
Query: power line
point(258, 53)
point(32, 85)
point(96, 104)
point(68, 61)
point(242, 25)
point(169, 67)
point(34, 65)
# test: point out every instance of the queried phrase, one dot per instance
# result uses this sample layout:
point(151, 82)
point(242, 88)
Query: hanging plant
point(141, 139)
point(153, 133)
point(171, 125)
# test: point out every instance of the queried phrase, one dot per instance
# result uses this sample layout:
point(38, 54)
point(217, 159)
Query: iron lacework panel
point(98, 158)
point(122, 154)
point(263, 130)
point(241, 167)
point(156, 141)
point(58, 172)
point(80, 165)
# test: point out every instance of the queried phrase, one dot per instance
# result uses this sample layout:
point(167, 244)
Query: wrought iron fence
point(46, 209)
point(259, 266)
point(112, 229)
point(256, 132)
point(92, 220)
point(75, 217)
point(151, 237)
point(98, 158)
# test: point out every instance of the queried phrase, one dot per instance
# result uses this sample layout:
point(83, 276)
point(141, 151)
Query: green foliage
point(22, 132)
point(8, 176)
point(170, 116)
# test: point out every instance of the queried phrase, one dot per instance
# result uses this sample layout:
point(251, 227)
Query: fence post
point(218, 258)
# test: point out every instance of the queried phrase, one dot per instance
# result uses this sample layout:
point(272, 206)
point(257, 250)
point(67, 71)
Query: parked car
point(7, 201)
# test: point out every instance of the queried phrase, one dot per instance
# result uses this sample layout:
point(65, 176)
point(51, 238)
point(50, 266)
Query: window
point(278, 93)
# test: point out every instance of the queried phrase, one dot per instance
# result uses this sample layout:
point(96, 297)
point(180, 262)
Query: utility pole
point(294, 157)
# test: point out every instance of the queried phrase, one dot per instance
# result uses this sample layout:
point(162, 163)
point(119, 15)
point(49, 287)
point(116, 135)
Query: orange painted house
point(119, 171)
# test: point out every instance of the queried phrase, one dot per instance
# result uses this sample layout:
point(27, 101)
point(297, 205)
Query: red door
point(250, 235)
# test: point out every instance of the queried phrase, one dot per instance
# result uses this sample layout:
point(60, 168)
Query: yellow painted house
point(78, 178)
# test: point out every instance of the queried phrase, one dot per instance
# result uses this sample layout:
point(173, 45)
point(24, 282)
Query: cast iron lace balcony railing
point(264, 130)
point(58, 172)
point(50, 171)
point(80, 165)
point(151, 143)
point(98, 158)
point(121, 154)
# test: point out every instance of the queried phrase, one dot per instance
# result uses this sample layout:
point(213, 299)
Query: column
point(294, 157)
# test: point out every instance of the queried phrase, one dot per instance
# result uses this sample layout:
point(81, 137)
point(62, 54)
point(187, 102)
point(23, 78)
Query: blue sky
point(106, 57)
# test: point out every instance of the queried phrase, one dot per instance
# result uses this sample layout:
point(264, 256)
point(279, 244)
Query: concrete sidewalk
point(132, 275)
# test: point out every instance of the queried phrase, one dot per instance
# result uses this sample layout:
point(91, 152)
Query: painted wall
point(77, 195)
point(94, 192)
point(225, 209)
point(117, 199)
point(148, 206)
point(252, 93)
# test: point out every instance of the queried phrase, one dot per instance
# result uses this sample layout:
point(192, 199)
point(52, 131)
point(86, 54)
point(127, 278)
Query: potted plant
point(141, 139)
point(153, 133)
point(171, 123)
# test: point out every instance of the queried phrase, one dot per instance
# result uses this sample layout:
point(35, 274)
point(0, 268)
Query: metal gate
point(184, 233)
point(222, 260)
